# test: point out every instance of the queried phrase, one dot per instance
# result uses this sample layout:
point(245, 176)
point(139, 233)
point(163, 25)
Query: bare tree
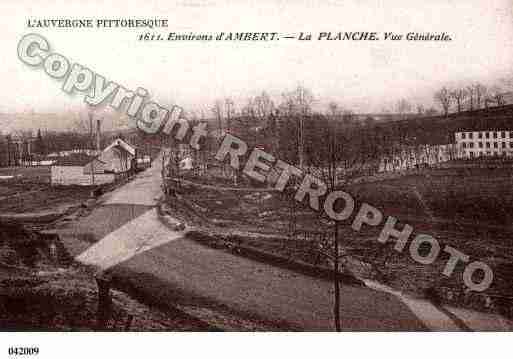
point(443, 97)
point(459, 95)
point(298, 103)
point(480, 92)
point(403, 107)
point(228, 103)
point(264, 106)
point(497, 95)
point(334, 110)
point(217, 110)
point(471, 93)
point(338, 156)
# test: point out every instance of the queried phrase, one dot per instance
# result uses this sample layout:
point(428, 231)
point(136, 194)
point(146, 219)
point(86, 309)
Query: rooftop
point(75, 159)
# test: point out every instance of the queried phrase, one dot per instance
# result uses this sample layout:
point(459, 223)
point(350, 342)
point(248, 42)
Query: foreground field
point(467, 209)
point(42, 289)
point(39, 174)
point(22, 197)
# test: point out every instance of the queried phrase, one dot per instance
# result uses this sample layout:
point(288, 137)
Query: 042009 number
point(23, 351)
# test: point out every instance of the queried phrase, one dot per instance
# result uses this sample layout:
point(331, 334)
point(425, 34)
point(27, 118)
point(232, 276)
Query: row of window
point(494, 134)
point(487, 153)
point(488, 145)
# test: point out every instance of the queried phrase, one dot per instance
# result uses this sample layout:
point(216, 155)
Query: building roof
point(118, 142)
point(76, 159)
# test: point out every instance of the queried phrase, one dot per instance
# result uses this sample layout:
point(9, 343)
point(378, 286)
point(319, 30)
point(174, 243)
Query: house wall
point(97, 166)
point(74, 175)
point(485, 143)
point(411, 157)
point(116, 161)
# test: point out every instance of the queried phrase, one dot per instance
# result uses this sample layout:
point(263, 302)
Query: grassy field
point(39, 174)
point(25, 198)
point(41, 289)
point(29, 190)
point(480, 196)
point(469, 209)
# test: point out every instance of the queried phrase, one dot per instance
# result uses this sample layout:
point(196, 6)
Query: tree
point(471, 92)
point(298, 104)
point(497, 95)
point(480, 92)
point(217, 110)
point(40, 144)
point(459, 95)
point(338, 155)
point(348, 118)
point(228, 103)
point(403, 107)
point(264, 106)
point(443, 97)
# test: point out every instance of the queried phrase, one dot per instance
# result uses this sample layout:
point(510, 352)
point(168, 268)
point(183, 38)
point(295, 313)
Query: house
point(410, 157)
point(79, 169)
point(118, 157)
point(485, 142)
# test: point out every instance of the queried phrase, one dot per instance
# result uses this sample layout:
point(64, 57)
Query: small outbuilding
point(80, 169)
point(118, 157)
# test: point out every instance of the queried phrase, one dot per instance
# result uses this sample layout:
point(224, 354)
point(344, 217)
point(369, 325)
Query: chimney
point(98, 136)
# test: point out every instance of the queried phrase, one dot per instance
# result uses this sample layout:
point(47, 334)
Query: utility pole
point(90, 114)
point(301, 95)
point(229, 104)
point(98, 136)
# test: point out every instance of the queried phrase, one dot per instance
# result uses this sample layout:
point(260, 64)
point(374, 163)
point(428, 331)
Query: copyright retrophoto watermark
point(212, 166)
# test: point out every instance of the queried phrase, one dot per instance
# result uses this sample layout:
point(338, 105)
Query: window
point(471, 144)
point(495, 135)
point(480, 135)
point(503, 144)
point(503, 134)
point(471, 154)
point(487, 134)
point(463, 135)
point(495, 145)
point(464, 145)
point(471, 135)
point(480, 144)
point(487, 144)
point(511, 145)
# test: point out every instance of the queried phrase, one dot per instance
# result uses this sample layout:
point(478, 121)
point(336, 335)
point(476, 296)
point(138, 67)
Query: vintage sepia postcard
point(243, 166)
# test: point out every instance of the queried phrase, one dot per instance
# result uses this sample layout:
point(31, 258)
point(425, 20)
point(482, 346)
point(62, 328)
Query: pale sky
point(358, 75)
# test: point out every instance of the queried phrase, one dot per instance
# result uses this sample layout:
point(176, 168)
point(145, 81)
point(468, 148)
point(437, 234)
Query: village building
point(79, 169)
point(424, 155)
point(119, 157)
point(485, 143)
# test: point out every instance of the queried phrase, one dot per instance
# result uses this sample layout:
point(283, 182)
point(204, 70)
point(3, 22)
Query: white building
point(118, 157)
point(485, 143)
point(410, 157)
point(79, 169)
